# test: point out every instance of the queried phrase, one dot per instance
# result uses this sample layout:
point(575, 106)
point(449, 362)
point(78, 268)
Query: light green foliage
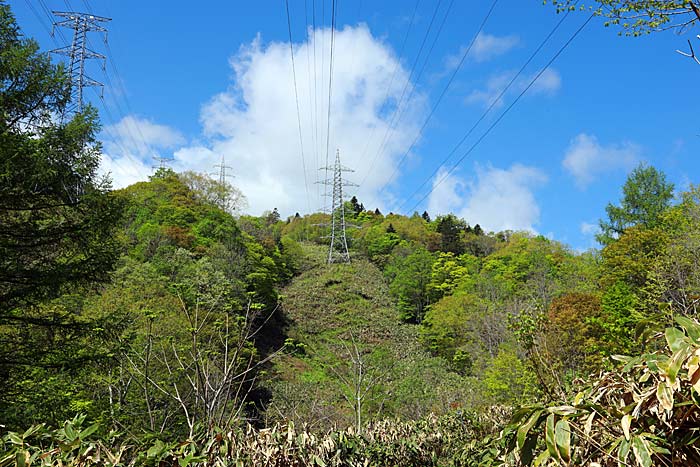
point(379, 243)
point(507, 379)
point(448, 271)
point(618, 320)
point(225, 196)
point(638, 17)
point(454, 324)
point(674, 276)
point(306, 229)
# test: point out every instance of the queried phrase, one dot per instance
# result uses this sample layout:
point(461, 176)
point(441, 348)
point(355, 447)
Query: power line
point(444, 91)
point(494, 102)
point(391, 80)
point(399, 109)
point(330, 84)
point(505, 112)
point(40, 20)
point(315, 129)
point(314, 143)
point(296, 98)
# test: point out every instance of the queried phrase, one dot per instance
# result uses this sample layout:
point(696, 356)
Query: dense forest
point(157, 325)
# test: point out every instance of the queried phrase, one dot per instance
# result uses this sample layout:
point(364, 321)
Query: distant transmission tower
point(338, 251)
point(78, 52)
point(222, 170)
point(163, 162)
point(223, 193)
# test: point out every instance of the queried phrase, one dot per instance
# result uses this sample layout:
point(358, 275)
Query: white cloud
point(140, 136)
point(124, 170)
point(486, 46)
point(547, 84)
point(254, 122)
point(585, 158)
point(499, 199)
point(130, 146)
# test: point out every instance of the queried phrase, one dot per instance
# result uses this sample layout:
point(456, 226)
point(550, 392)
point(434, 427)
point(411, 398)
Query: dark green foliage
point(450, 228)
point(57, 236)
point(57, 218)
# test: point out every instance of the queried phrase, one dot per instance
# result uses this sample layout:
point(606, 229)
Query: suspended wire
point(49, 15)
point(391, 80)
point(354, 45)
point(68, 5)
point(314, 143)
point(128, 124)
point(136, 144)
point(296, 98)
point(122, 92)
point(399, 109)
point(494, 102)
point(444, 91)
point(315, 129)
point(323, 80)
point(330, 87)
point(41, 21)
point(113, 136)
point(505, 112)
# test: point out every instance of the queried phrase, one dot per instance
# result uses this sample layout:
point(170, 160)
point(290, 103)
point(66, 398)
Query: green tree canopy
point(637, 17)
point(57, 215)
point(646, 195)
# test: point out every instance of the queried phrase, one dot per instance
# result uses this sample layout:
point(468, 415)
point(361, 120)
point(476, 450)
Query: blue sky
point(200, 80)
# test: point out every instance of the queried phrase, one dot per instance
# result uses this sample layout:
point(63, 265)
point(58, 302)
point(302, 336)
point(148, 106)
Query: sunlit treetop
point(637, 18)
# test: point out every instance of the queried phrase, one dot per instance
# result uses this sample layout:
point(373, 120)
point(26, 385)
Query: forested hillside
point(158, 325)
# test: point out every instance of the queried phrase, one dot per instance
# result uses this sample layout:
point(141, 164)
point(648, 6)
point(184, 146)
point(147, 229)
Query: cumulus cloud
point(547, 84)
point(254, 122)
point(497, 199)
point(586, 159)
point(140, 136)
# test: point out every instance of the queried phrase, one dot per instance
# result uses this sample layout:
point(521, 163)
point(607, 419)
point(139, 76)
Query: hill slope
point(351, 358)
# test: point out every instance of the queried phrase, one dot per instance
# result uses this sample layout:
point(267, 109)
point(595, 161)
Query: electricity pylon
point(163, 162)
point(338, 251)
point(224, 190)
point(222, 170)
point(78, 52)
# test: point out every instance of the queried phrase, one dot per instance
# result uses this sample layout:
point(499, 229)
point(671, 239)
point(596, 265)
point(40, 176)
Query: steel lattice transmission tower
point(224, 193)
point(338, 251)
point(78, 52)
